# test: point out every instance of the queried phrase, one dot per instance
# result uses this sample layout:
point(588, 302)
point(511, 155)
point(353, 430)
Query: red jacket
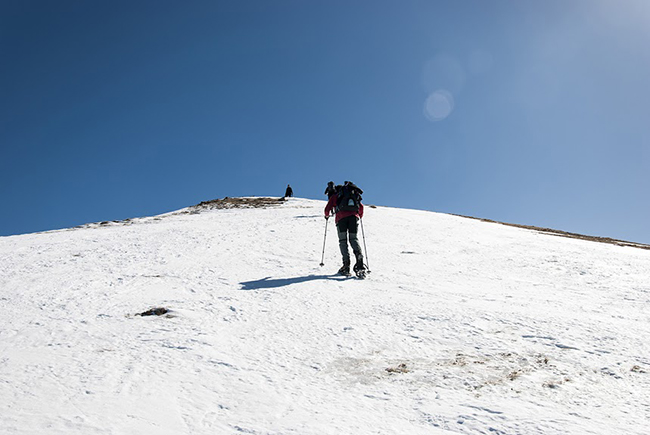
point(331, 205)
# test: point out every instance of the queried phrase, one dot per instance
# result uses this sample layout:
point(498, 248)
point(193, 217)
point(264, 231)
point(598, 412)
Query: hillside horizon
point(557, 232)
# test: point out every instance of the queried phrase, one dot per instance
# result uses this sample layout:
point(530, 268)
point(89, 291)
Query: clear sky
point(532, 112)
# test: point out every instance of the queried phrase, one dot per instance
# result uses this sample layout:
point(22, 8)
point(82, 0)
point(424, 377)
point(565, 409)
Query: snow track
point(463, 327)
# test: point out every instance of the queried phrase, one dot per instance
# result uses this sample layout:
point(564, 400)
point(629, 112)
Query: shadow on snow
point(281, 282)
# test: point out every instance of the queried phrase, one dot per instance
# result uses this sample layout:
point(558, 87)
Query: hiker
point(289, 192)
point(346, 202)
point(329, 191)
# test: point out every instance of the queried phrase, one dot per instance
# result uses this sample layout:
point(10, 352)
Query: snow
point(462, 327)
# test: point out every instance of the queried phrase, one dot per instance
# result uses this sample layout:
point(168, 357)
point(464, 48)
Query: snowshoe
point(344, 270)
point(360, 268)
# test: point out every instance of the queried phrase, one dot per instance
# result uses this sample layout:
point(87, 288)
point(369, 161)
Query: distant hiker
point(330, 190)
point(289, 192)
point(346, 201)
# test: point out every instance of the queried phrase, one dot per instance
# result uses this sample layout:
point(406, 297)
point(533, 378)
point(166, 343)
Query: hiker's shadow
point(281, 282)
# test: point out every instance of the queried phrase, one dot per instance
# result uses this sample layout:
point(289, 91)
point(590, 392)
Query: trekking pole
point(324, 238)
point(364, 245)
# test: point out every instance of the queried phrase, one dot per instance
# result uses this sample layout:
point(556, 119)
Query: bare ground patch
point(227, 203)
point(224, 203)
point(561, 233)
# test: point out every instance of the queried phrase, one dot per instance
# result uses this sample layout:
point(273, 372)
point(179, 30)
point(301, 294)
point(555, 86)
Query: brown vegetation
point(227, 202)
point(566, 234)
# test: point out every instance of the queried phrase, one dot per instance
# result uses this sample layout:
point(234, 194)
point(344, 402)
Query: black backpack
point(348, 197)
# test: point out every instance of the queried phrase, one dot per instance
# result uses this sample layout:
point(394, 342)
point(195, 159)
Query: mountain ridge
point(267, 201)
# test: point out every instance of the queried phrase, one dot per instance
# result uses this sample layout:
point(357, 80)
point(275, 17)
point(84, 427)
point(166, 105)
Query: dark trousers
point(349, 226)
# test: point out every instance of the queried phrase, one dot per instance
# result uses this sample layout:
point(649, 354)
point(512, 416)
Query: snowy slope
point(462, 327)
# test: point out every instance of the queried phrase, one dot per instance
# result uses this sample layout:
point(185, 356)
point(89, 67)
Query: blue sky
point(533, 112)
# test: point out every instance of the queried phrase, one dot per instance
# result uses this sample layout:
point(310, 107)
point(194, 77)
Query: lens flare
point(439, 105)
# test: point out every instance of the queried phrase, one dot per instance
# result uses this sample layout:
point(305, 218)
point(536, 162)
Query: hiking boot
point(345, 269)
point(359, 265)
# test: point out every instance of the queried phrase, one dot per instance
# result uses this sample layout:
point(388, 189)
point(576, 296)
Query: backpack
point(348, 197)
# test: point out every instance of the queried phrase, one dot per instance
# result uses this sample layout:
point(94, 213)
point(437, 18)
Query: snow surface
point(462, 327)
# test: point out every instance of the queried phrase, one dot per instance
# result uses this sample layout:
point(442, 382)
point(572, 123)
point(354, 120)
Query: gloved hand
point(327, 216)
